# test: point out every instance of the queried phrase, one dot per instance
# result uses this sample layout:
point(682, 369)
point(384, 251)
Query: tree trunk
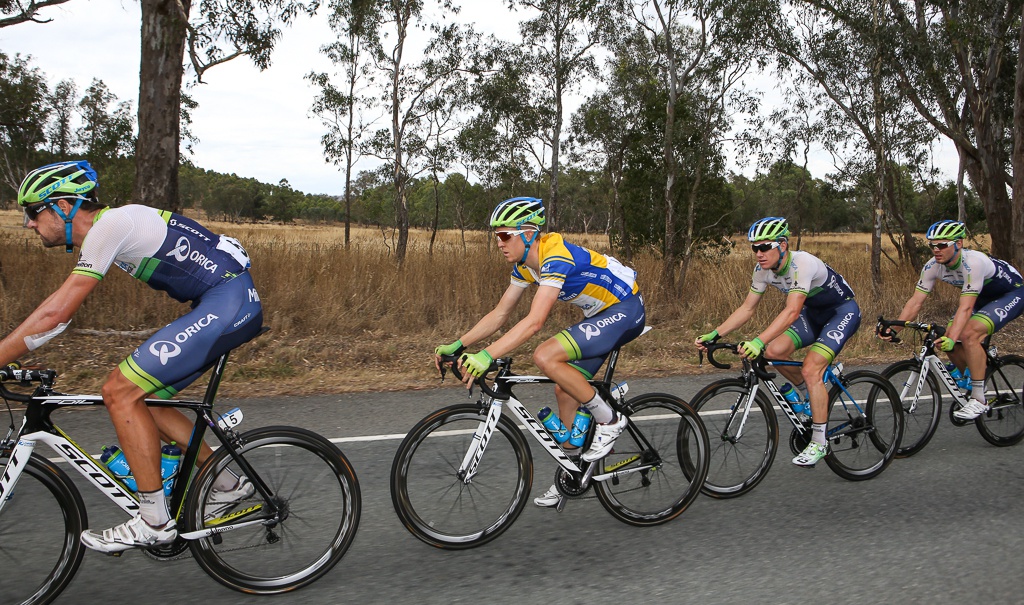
point(1017, 222)
point(160, 74)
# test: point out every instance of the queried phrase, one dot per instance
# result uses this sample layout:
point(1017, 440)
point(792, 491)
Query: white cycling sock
point(153, 508)
point(978, 390)
point(225, 481)
point(603, 413)
point(818, 433)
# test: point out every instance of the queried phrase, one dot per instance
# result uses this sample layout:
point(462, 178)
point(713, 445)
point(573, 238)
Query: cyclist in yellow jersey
point(602, 287)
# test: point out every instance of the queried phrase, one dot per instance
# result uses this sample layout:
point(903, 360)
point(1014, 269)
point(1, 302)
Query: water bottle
point(170, 460)
point(801, 409)
point(114, 460)
point(963, 380)
point(554, 425)
point(580, 424)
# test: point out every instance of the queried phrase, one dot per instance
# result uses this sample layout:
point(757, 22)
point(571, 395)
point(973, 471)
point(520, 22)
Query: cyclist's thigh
point(842, 323)
point(226, 317)
point(1001, 311)
point(589, 342)
point(800, 334)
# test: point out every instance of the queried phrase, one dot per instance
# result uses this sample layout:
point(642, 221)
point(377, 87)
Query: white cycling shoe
point(134, 533)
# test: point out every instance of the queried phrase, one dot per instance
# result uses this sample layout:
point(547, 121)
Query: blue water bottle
point(114, 460)
point(580, 424)
point(801, 409)
point(963, 380)
point(170, 460)
point(554, 425)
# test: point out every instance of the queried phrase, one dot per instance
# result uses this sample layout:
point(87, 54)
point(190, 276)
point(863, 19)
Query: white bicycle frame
point(482, 435)
point(931, 363)
point(780, 400)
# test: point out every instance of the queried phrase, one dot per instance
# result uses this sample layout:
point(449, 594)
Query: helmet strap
point(526, 244)
point(67, 222)
point(782, 257)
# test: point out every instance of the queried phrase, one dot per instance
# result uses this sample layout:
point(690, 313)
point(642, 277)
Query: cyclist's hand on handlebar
point(475, 365)
point(751, 349)
point(704, 339)
point(945, 343)
point(885, 333)
point(454, 348)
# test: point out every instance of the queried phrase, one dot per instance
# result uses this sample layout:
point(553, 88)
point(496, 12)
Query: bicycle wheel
point(435, 503)
point(314, 487)
point(658, 464)
point(865, 424)
point(40, 534)
point(738, 462)
point(1003, 424)
point(921, 415)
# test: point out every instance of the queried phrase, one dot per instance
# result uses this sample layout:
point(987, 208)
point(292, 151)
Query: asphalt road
point(942, 527)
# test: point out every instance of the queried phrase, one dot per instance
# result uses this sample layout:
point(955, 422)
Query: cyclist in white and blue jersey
point(602, 287)
point(170, 253)
point(820, 314)
point(991, 292)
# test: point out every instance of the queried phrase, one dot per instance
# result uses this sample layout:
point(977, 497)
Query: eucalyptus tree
point(346, 108)
point(106, 131)
point(214, 32)
point(62, 108)
point(558, 41)
point(955, 62)
point(704, 48)
point(617, 120)
point(13, 12)
point(24, 113)
point(408, 91)
point(868, 125)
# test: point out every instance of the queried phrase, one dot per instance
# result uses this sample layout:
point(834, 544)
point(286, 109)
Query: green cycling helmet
point(58, 181)
point(770, 228)
point(518, 211)
point(946, 230)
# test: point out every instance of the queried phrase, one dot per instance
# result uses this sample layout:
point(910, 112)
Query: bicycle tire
point(435, 504)
point(736, 466)
point(1003, 424)
point(28, 526)
point(863, 437)
point(921, 420)
point(318, 492)
point(679, 449)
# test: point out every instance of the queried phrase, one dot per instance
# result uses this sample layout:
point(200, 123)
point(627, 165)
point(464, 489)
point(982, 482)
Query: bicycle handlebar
point(453, 361)
point(757, 365)
point(932, 330)
point(13, 372)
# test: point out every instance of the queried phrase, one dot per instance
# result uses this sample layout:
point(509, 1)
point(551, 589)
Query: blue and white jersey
point(165, 250)
point(803, 272)
point(975, 273)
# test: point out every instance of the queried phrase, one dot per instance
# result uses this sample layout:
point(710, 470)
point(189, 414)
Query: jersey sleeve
point(976, 271)
point(102, 244)
point(521, 278)
point(759, 281)
point(926, 282)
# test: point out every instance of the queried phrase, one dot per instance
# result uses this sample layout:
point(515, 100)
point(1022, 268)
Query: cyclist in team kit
point(168, 252)
point(606, 291)
point(820, 313)
point(990, 297)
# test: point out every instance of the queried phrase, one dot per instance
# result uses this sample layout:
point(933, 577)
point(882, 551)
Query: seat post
point(215, 376)
point(609, 369)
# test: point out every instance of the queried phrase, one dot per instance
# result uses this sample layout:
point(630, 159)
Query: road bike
point(863, 432)
point(923, 381)
point(294, 529)
point(463, 474)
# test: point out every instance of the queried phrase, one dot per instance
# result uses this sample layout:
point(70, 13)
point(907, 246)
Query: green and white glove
point(945, 343)
point(711, 336)
point(450, 349)
point(752, 348)
point(476, 363)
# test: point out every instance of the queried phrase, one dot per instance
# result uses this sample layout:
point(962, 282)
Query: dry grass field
point(352, 320)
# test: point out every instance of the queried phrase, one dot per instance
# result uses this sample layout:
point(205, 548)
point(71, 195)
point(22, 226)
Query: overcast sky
point(250, 123)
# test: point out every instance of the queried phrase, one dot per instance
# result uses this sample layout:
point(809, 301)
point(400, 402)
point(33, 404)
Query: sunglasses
point(940, 245)
point(507, 235)
point(765, 247)
point(33, 211)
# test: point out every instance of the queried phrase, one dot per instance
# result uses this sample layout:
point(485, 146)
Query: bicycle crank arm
point(614, 474)
point(220, 529)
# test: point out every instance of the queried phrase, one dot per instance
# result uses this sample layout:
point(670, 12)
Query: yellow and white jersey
point(591, 281)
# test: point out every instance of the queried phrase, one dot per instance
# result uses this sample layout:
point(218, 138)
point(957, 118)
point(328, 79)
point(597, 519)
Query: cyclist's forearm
point(737, 319)
point(518, 334)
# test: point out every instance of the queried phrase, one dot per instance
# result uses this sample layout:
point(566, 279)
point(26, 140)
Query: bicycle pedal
point(115, 554)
